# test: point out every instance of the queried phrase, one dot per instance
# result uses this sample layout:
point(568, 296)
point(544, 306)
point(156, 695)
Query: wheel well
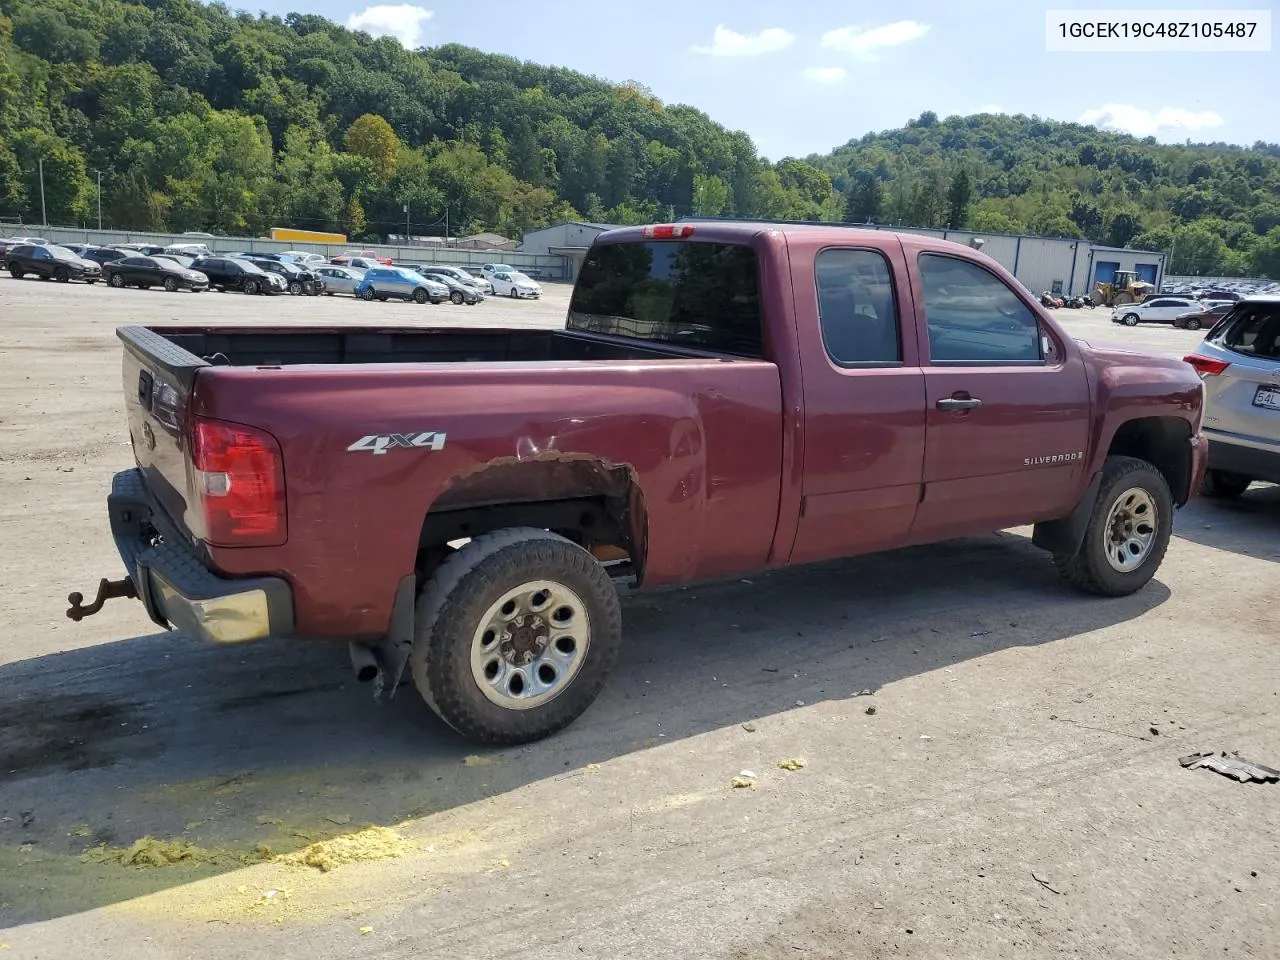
point(594, 504)
point(1163, 442)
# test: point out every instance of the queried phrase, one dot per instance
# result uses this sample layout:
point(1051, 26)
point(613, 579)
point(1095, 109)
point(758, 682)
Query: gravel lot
point(1014, 793)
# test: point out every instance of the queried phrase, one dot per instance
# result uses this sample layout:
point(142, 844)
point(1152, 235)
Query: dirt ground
point(990, 759)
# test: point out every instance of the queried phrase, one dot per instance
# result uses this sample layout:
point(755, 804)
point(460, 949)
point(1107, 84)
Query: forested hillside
point(198, 117)
point(1216, 206)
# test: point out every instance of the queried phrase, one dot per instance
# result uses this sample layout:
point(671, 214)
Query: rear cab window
point(692, 294)
point(857, 310)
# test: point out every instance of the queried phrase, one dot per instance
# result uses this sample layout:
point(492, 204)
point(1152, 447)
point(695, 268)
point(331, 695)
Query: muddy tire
point(1128, 531)
point(1219, 485)
point(515, 635)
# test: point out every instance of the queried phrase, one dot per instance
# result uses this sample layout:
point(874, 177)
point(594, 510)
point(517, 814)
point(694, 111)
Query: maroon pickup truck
point(461, 504)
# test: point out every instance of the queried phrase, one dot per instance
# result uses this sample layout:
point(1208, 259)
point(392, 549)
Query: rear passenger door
point(864, 418)
point(1007, 405)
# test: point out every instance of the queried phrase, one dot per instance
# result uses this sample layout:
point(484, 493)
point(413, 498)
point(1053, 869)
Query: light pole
point(44, 217)
point(99, 173)
point(406, 223)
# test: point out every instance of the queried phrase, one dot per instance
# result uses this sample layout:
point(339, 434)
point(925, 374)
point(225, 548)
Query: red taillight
point(668, 231)
point(1206, 366)
point(239, 483)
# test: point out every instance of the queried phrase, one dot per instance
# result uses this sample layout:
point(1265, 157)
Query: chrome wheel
point(530, 644)
point(1130, 530)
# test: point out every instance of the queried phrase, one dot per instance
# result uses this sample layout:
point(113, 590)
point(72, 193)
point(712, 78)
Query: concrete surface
point(1015, 793)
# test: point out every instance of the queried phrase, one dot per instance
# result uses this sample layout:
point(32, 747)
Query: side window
point(973, 317)
point(856, 307)
point(42, 254)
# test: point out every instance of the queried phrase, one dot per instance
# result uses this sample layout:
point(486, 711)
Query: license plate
point(1267, 397)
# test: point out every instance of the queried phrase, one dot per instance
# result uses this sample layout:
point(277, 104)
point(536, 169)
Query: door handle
point(958, 403)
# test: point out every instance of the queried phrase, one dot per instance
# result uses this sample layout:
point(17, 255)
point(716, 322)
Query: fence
point(1218, 281)
point(543, 266)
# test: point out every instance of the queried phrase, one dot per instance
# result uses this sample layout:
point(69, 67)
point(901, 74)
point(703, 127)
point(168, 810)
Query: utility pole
point(44, 217)
point(406, 223)
point(446, 224)
point(99, 173)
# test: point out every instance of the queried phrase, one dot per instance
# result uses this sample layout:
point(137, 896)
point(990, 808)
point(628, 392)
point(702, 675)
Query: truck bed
point(294, 346)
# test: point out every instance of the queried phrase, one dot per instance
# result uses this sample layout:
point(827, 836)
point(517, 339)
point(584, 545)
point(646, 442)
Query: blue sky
point(806, 76)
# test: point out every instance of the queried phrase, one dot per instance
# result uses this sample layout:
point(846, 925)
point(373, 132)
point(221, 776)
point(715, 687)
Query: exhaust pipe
point(363, 661)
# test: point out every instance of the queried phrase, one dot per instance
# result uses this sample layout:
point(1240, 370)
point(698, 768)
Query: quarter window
point(856, 307)
point(973, 317)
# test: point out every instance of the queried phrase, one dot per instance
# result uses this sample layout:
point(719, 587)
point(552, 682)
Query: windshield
point(62, 253)
point(700, 295)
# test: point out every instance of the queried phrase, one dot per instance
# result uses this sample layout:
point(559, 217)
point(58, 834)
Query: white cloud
point(730, 43)
point(404, 21)
point(825, 74)
point(864, 43)
point(1143, 123)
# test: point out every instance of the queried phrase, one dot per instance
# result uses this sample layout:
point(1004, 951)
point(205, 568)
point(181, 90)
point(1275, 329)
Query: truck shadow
point(275, 744)
point(1249, 526)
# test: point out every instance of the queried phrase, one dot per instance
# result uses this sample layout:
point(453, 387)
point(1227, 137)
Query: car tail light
point(239, 484)
point(1206, 366)
point(668, 231)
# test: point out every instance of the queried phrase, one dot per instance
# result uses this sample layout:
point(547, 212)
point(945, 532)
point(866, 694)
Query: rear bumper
point(1250, 457)
point(177, 589)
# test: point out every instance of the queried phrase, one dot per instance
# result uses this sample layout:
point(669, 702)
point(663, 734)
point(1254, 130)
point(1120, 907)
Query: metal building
point(569, 239)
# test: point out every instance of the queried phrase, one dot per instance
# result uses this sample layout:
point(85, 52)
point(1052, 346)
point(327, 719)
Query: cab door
point(1007, 405)
point(864, 416)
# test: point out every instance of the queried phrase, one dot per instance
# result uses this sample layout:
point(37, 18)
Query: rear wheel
point(62, 274)
point(515, 636)
point(171, 284)
point(1220, 485)
point(1128, 531)
point(419, 296)
point(15, 271)
point(456, 297)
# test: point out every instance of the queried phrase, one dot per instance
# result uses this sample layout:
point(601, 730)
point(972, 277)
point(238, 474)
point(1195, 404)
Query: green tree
point(710, 196)
point(958, 196)
point(1265, 256)
point(1198, 251)
point(66, 187)
point(371, 137)
point(865, 200)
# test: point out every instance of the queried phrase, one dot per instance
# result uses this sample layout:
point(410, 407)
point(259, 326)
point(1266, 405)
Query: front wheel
point(1193, 324)
point(419, 296)
point(1220, 485)
point(515, 635)
point(171, 285)
point(295, 289)
point(62, 275)
point(456, 297)
point(1129, 319)
point(251, 287)
point(367, 294)
point(514, 295)
point(1128, 531)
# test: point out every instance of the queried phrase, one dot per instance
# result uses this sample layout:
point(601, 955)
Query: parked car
point(349, 258)
point(480, 283)
point(8, 242)
point(340, 279)
point(230, 273)
point(806, 393)
point(459, 292)
point(515, 285)
point(99, 255)
point(383, 283)
point(146, 249)
point(304, 259)
point(357, 263)
point(187, 262)
point(297, 279)
point(1195, 319)
point(148, 272)
point(193, 250)
point(489, 269)
point(1239, 364)
point(50, 263)
point(1154, 310)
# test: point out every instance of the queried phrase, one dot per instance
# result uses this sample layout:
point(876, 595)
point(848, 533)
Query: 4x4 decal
point(381, 443)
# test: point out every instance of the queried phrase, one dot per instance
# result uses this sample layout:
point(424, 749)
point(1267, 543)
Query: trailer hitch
point(107, 590)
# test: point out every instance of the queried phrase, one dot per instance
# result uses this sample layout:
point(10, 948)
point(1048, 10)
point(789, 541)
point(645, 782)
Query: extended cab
point(724, 397)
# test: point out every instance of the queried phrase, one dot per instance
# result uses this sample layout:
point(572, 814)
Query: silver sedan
point(340, 279)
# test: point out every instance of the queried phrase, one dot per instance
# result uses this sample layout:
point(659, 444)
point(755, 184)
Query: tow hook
point(107, 590)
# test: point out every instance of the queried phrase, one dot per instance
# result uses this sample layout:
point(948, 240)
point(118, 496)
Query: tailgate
point(158, 379)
